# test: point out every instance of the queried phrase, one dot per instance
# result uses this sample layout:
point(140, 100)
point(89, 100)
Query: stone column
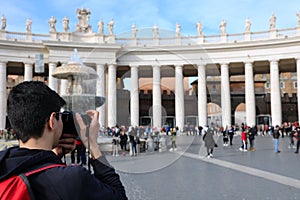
point(275, 93)
point(63, 86)
point(52, 80)
point(179, 97)
point(225, 95)
point(2, 95)
point(250, 95)
point(134, 96)
point(202, 96)
point(100, 91)
point(112, 96)
point(298, 87)
point(28, 72)
point(156, 96)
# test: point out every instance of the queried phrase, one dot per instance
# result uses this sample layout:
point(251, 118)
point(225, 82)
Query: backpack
point(17, 187)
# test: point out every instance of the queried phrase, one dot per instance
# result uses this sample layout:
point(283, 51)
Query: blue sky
point(164, 13)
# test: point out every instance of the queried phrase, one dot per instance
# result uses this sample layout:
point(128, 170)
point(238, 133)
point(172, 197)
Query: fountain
point(80, 93)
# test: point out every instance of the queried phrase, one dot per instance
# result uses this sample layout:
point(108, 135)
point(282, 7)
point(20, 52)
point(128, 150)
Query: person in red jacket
point(33, 111)
point(244, 139)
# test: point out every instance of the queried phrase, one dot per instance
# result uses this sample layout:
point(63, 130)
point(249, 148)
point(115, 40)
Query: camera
point(70, 123)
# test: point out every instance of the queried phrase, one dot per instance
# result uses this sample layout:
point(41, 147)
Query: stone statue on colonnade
point(298, 15)
point(3, 24)
point(83, 16)
point(273, 22)
point(248, 25)
point(178, 27)
point(155, 31)
point(199, 28)
point(134, 30)
point(110, 26)
point(52, 22)
point(101, 27)
point(223, 27)
point(66, 24)
point(28, 25)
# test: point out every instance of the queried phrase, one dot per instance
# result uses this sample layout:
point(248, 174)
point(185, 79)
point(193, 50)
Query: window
point(295, 84)
point(282, 85)
point(267, 85)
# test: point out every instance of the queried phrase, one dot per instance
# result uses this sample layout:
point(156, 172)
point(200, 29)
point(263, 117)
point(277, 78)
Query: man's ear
point(52, 121)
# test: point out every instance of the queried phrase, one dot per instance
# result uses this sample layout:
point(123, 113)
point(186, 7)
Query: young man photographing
point(33, 110)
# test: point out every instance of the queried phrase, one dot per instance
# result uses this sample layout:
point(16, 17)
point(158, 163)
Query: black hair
point(29, 106)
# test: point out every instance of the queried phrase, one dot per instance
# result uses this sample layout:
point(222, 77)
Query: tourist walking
point(297, 136)
point(173, 139)
point(209, 142)
point(225, 137)
point(132, 141)
point(123, 141)
point(80, 151)
point(276, 135)
point(115, 143)
point(252, 133)
point(244, 140)
point(230, 134)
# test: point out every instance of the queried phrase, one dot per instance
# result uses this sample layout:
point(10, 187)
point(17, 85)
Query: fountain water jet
point(81, 90)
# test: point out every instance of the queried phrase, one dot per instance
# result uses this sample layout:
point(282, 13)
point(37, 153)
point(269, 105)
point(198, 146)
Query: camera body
point(70, 123)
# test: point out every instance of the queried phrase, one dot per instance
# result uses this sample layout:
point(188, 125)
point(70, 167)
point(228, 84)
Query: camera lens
point(69, 123)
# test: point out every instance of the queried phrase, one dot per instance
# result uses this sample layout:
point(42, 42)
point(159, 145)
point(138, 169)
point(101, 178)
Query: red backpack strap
point(39, 169)
point(42, 168)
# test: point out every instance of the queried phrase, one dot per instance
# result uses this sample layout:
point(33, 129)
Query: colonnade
point(111, 94)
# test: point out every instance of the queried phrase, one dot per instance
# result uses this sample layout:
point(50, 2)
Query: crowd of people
point(248, 135)
point(132, 140)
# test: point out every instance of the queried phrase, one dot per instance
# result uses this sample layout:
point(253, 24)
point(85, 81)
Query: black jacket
point(65, 182)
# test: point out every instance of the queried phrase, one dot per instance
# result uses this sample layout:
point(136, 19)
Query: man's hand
point(93, 132)
point(66, 145)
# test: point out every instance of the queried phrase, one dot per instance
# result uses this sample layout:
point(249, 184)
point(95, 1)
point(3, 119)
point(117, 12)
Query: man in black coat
point(33, 111)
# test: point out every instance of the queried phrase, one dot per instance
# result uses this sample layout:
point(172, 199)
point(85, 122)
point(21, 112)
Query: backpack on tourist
point(17, 187)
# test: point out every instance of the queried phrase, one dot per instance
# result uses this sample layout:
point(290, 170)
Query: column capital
point(101, 65)
point(273, 60)
point(201, 64)
point(156, 66)
point(249, 62)
point(134, 66)
point(178, 66)
point(112, 64)
point(28, 63)
point(224, 63)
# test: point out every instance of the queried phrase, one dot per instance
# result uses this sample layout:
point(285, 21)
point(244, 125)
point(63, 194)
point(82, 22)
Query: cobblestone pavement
point(230, 174)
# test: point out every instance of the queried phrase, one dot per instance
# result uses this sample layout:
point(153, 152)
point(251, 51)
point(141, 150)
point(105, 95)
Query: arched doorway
point(214, 115)
point(240, 114)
